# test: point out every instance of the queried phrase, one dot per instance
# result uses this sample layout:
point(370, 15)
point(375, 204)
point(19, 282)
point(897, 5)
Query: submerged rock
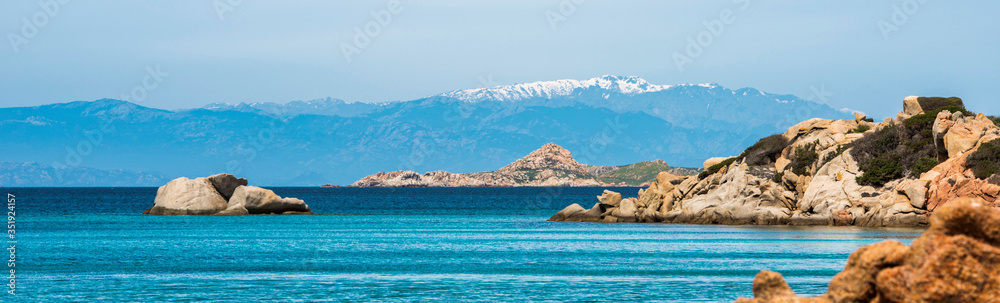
point(956, 260)
point(221, 194)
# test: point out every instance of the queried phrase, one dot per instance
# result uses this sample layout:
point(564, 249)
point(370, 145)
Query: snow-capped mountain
point(558, 88)
point(702, 106)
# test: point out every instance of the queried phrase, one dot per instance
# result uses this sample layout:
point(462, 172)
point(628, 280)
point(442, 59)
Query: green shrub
point(716, 168)
point(995, 179)
point(929, 116)
point(861, 129)
point(803, 159)
point(874, 144)
point(840, 151)
point(985, 162)
point(881, 170)
point(765, 151)
point(924, 165)
point(929, 104)
point(778, 177)
point(909, 145)
point(996, 120)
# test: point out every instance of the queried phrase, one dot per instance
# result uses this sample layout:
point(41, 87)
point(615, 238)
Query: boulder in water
point(184, 196)
point(221, 194)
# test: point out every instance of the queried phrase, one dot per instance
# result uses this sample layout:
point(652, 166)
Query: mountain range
point(608, 120)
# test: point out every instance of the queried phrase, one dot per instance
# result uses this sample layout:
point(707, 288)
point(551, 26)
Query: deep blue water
point(444, 244)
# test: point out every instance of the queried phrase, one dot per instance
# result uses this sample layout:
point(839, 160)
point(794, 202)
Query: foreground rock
point(221, 194)
point(956, 260)
point(550, 165)
point(810, 176)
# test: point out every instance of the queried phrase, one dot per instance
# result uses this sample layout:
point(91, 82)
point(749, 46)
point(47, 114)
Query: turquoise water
point(403, 245)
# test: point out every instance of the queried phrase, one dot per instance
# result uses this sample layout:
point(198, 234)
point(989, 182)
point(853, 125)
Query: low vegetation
point(765, 151)
point(638, 173)
point(934, 103)
point(932, 106)
point(908, 150)
point(804, 158)
point(886, 154)
point(880, 170)
point(716, 168)
point(861, 129)
point(836, 153)
point(889, 153)
point(995, 179)
point(985, 162)
point(894, 152)
point(924, 165)
point(930, 116)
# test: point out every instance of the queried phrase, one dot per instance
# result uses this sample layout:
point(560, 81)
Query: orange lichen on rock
point(956, 260)
point(953, 179)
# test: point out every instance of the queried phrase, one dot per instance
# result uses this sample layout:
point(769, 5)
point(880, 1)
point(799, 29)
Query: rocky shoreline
point(895, 173)
point(221, 195)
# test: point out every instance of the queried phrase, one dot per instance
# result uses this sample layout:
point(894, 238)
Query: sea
point(399, 245)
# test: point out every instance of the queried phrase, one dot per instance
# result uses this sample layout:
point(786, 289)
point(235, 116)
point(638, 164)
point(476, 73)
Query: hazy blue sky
point(292, 50)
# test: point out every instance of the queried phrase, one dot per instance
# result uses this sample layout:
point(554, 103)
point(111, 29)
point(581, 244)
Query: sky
point(859, 54)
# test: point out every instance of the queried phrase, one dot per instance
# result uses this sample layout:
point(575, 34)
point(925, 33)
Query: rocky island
point(221, 194)
point(550, 165)
point(830, 172)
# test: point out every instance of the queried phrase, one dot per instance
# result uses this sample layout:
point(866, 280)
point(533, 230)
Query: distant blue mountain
point(327, 106)
point(33, 174)
point(603, 121)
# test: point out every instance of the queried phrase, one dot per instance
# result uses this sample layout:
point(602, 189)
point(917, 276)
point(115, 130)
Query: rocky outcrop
point(814, 180)
point(956, 260)
point(184, 196)
point(713, 161)
point(221, 194)
point(551, 165)
point(911, 106)
point(258, 200)
point(549, 156)
point(953, 178)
